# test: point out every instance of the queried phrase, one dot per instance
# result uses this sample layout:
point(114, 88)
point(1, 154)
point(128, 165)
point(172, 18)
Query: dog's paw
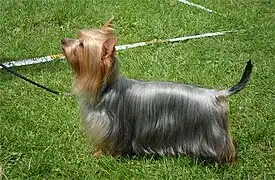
point(97, 154)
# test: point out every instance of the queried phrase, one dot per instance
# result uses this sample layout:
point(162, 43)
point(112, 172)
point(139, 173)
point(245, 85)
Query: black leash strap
point(28, 80)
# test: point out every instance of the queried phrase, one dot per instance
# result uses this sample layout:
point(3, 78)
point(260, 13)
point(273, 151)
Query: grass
point(40, 133)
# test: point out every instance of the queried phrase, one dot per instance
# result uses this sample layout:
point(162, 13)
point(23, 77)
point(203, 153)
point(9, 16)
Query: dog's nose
point(63, 41)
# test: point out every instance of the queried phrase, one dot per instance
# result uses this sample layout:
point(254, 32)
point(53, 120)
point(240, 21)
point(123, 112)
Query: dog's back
point(164, 118)
point(171, 118)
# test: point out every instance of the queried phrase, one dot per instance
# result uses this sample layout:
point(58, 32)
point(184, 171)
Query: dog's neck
point(106, 83)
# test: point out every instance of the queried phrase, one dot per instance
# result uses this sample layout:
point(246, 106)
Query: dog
point(127, 116)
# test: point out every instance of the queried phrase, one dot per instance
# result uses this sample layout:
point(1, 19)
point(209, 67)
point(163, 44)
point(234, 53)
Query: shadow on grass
point(188, 160)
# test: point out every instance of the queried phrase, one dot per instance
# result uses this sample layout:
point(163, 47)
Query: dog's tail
point(244, 80)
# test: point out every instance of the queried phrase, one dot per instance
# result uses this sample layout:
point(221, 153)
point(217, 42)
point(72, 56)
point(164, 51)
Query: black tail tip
point(247, 70)
point(249, 64)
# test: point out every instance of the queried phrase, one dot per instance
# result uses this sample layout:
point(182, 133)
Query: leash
point(10, 70)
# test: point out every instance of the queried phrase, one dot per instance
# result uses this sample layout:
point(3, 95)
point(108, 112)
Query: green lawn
point(40, 133)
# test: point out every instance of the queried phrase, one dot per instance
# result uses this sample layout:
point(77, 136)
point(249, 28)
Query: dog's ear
point(108, 24)
point(108, 48)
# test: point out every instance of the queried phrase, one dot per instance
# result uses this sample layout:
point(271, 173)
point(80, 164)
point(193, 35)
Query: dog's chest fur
point(95, 122)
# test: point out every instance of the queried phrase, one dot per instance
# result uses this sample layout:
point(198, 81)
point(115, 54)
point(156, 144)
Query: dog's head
point(92, 57)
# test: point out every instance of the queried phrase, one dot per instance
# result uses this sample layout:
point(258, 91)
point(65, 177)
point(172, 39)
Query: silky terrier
point(127, 116)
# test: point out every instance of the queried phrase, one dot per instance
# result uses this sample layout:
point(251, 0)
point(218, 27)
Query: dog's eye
point(81, 45)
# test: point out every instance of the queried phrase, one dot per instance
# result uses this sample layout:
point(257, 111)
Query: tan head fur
point(92, 57)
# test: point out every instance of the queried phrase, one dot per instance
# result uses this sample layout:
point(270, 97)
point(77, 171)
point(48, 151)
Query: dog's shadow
point(187, 160)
